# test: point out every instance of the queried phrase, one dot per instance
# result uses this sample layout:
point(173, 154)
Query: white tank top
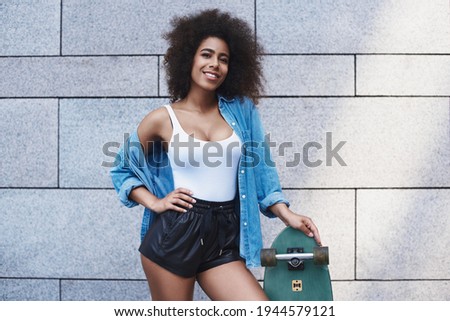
point(207, 168)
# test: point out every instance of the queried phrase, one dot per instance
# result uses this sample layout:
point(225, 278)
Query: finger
point(304, 225)
point(176, 208)
point(184, 194)
point(184, 191)
point(315, 232)
point(181, 203)
point(305, 229)
point(317, 238)
point(177, 205)
point(178, 201)
point(185, 197)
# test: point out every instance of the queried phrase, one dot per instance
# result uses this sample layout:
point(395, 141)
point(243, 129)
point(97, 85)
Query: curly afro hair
point(244, 71)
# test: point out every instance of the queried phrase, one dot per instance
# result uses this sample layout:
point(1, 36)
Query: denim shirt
point(258, 182)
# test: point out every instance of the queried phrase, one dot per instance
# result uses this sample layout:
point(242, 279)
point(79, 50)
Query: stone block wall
point(370, 76)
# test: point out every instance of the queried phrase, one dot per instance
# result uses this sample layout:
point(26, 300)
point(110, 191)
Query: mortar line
point(355, 80)
point(356, 236)
point(262, 97)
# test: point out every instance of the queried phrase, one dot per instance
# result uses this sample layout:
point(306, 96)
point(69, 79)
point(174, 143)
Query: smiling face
point(210, 65)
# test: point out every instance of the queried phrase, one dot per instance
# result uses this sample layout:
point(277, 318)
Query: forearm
point(142, 196)
point(281, 211)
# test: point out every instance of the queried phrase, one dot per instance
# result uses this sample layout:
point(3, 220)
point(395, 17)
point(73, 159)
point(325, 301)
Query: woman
point(205, 176)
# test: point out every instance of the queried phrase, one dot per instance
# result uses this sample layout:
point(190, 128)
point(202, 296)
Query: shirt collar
point(228, 100)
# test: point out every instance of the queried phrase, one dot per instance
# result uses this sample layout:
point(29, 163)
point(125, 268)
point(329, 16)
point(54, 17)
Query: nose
point(214, 63)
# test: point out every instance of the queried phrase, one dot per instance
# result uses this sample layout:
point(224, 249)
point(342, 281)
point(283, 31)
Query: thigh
point(231, 282)
point(165, 285)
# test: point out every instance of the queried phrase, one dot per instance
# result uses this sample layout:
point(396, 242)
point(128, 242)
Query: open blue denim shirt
point(258, 182)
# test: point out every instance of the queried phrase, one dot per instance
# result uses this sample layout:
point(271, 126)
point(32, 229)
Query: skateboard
point(296, 269)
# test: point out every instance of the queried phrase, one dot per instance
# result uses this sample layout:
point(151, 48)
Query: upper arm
point(154, 127)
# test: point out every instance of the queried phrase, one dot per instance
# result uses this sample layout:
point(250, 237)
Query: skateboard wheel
point(268, 257)
point(320, 255)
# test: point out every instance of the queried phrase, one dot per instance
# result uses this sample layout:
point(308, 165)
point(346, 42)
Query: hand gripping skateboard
point(296, 268)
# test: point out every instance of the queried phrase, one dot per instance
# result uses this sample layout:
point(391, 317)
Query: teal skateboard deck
point(296, 269)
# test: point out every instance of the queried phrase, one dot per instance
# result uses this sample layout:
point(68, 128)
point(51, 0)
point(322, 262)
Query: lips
point(211, 75)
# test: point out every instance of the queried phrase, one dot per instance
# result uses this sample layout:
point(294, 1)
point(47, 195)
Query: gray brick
point(68, 234)
point(309, 75)
point(403, 234)
point(389, 142)
point(29, 143)
point(29, 290)
point(403, 75)
point(350, 26)
point(30, 27)
point(104, 290)
point(79, 76)
point(111, 290)
point(132, 26)
point(163, 89)
point(301, 76)
point(392, 291)
point(88, 126)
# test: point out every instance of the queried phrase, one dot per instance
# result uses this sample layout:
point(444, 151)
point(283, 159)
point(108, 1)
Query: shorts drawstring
point(205, 228)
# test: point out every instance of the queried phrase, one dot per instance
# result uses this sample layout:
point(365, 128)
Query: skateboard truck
point(269, 257)
point(295, 263)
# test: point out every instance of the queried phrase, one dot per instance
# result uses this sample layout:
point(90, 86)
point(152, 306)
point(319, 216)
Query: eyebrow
point(212, 51)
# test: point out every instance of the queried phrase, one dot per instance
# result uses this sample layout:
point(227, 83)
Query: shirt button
point(242, 171)
point(233, 124)
point(243, 196)
point(245, 223)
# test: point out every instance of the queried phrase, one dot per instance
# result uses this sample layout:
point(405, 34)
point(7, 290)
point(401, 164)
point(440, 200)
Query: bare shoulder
point(154, 125)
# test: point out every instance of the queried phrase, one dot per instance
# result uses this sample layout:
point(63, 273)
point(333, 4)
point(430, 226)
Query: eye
point(224, 60)
point(205, 55)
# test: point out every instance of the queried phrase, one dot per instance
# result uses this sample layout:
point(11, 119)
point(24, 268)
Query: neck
point(201, 100)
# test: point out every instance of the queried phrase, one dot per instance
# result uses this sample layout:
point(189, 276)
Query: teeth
point(211, 75)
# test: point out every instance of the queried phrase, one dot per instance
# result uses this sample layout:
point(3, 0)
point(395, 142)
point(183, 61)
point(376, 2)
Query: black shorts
point(186, 244)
